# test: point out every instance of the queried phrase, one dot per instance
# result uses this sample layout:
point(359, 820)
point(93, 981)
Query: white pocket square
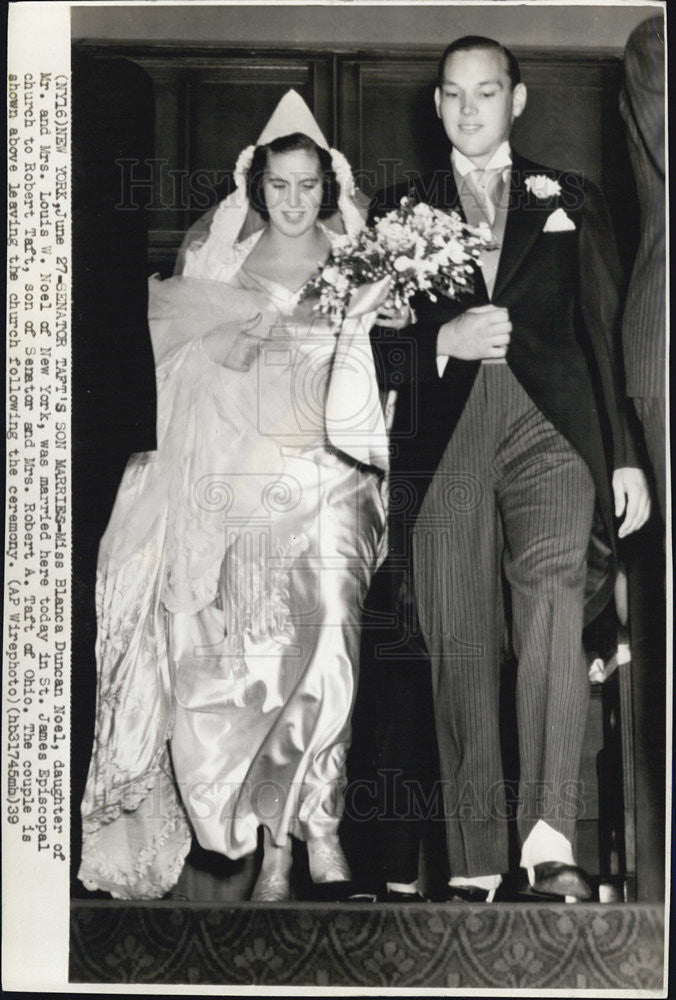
point(558, 222)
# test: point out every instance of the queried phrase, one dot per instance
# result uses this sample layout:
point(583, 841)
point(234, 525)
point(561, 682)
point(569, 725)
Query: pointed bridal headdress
point(209, 241)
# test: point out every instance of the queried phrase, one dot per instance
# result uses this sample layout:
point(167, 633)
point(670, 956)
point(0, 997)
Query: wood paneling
point(388, 124)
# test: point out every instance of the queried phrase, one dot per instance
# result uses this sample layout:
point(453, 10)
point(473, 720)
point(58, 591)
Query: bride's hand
point(394, 319)
point(235, 348)
point(246, 348)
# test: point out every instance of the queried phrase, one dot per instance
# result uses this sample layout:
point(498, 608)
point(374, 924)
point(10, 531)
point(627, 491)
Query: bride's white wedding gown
point(230, 582)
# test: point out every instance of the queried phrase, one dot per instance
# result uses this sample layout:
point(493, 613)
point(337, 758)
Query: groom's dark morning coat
point(563, 293)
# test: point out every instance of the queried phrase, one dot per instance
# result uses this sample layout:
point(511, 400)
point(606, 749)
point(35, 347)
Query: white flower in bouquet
point(423, 210)
point(331, 275)
point(401, 264)
point(392, 232)
point(343, 242)
point(455, 251)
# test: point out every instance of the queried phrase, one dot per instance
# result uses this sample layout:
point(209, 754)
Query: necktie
point(487, 187)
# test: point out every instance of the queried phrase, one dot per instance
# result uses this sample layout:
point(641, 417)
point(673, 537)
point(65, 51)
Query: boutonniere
point(542, 186)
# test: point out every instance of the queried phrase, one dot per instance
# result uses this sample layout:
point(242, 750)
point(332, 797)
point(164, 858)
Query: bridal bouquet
point(419, 248)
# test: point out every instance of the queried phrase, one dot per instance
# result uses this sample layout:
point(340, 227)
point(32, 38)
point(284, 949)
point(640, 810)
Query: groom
point(509, 442)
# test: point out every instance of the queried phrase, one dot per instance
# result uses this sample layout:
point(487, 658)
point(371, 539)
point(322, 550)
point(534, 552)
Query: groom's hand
point(394, 319)
point(480, 332)
point(630, 490)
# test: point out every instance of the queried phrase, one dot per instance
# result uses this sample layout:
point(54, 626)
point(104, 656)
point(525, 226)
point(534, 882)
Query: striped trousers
point(511, 496)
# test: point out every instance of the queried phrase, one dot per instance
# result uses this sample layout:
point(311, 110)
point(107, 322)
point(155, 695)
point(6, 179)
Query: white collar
point(502, 157)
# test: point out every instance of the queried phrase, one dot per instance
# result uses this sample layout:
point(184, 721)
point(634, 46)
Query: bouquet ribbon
point(355, 423)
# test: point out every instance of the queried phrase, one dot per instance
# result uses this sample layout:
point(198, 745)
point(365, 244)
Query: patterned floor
point(546, 946)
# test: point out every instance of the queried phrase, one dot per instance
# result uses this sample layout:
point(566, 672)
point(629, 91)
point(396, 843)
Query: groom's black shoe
point(394, 896)
point(358, 894)
point(554, 878)
point(465, 894)
point(330, 892)
point(335, 892)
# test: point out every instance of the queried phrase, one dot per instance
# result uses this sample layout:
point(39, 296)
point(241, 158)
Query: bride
point(237, 557)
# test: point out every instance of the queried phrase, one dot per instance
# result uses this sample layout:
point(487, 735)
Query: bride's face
point(292, 188)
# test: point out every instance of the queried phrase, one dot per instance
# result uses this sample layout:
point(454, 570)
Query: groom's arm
point(602, 288)
point(601, 294)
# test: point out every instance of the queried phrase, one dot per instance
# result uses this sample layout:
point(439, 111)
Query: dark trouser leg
point(546, 498)
point(650, 411)
point(393, 725)
point(457, 579)
point(647, 621)
point(408, 766)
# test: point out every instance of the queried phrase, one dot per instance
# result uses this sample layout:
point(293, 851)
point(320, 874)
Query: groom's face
point(476, 102)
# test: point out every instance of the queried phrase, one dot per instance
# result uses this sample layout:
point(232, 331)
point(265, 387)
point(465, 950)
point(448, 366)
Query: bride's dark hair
point(287, 144)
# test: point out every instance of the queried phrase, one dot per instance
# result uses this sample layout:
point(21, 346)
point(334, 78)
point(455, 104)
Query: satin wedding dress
point(230, 582)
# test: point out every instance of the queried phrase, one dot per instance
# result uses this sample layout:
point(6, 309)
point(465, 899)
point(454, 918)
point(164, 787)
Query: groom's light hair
point(469, 43)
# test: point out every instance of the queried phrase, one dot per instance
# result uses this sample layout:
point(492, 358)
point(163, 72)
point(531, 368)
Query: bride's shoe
point(271, 887)
point(273, 884)
point(326, 860)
